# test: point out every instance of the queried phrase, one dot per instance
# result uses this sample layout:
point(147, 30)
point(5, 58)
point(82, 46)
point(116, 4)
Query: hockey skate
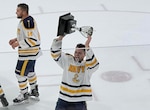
point(22, 98)
point(34, 94)
point(4, 101)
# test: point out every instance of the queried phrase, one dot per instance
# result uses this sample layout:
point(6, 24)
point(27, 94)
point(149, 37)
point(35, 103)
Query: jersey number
point(30, 33)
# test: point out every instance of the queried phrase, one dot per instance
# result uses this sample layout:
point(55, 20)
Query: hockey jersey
point(29, 39)
point(75, 85)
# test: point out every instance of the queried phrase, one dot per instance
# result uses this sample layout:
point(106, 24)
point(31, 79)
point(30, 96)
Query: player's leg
point(79, 106)
point(61, 105)
point(21, 74)
point(23, 86)
point(32, 78)
point(3, 98)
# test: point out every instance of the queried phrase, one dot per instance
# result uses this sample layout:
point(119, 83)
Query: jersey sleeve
point(57, 54)
point(92, 63)
point(29, 33)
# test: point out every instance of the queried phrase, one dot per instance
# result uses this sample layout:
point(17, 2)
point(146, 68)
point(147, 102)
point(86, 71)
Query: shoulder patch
point(69, 54)
point(28, 22)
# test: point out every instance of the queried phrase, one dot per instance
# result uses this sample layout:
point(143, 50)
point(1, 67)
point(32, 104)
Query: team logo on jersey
point(76, 69)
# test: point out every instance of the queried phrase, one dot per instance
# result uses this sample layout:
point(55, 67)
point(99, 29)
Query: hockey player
point(75, 88)
point(3, 98)
point(28, 43)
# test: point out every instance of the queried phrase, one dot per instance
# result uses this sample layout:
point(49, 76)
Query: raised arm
point(92, 63)
point(87, 43)
point(56, 51)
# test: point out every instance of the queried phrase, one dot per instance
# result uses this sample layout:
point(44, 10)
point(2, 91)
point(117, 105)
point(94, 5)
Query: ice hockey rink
point(121, 43)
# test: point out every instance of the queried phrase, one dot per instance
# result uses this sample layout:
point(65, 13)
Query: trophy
point(67, 25)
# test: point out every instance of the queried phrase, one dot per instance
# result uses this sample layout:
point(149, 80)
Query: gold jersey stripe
point(92, 63)
point(32, 79)
point(32, 42)
point(75, 91)
point(55, 55)
point(24, 67)
point(23, 85)
point(28, 51)
point(1, 91)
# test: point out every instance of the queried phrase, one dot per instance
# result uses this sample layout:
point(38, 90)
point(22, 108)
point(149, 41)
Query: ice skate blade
point(21, 103)
point(34, 98)
point(5, 107)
